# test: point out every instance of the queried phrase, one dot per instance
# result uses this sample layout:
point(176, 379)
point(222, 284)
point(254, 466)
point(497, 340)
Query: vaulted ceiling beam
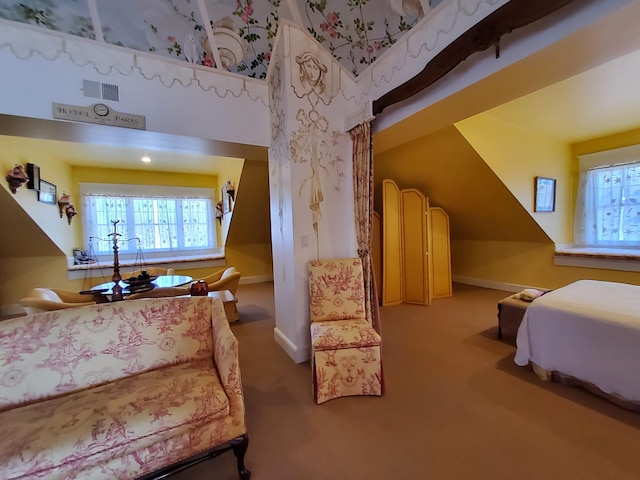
point(513, 15)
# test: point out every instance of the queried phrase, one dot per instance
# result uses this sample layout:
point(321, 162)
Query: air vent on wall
point(91, 89)
point(110, 92)
point(105, 91)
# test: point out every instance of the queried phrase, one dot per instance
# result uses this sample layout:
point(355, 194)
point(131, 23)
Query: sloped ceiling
point(356, 32)
point(25, 235)
point(89, 145)
point(453, 176)
point(603, 101)
point(582, 87)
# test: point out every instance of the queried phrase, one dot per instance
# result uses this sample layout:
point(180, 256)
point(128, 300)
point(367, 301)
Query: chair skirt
point(348, 371)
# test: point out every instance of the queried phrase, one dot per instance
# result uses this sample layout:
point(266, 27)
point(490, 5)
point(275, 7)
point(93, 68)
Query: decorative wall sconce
point(63, 202)
point(219, 212)
point(70, 211)
point(16, 177)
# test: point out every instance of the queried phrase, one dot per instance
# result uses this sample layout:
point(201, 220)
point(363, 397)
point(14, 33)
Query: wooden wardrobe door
point(414, 245)
point(391, 244)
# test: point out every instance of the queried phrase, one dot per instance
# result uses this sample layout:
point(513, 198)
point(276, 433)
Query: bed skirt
point(564, 379)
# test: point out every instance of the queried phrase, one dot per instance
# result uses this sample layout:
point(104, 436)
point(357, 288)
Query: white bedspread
point(588, 329)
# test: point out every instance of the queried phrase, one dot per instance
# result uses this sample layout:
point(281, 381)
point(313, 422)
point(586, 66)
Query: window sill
point(622, 259)
point(79, 272)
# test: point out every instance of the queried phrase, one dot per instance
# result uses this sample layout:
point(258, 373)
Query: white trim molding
point(297, 354)
point(621, 259)
point(492, 284)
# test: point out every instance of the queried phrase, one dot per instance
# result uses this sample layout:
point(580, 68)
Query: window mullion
point(179, 224)
point(131, 226)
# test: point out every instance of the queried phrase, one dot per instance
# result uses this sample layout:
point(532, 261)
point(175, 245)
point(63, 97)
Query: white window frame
point(602, 161)
point(620, 257)
point(156, 192)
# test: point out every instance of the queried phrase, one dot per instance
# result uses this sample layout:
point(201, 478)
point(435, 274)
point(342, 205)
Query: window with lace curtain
point(154, 221)
point(608, 207)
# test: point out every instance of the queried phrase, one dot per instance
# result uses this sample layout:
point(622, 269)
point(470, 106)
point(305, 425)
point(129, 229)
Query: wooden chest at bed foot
point(510, 313)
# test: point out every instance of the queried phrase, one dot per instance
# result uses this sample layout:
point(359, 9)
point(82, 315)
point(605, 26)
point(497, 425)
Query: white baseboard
point(256, 279)
point(298, 355)
point(481, 282)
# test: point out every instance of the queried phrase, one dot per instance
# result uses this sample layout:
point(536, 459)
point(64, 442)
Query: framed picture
point(227, 197)
point(33, 171)
point(47, 193)
point(545, 195)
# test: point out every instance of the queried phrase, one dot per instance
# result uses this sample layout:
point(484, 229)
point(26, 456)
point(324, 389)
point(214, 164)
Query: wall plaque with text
point(98, 113)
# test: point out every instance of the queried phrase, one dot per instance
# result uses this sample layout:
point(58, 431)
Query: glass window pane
point(160, 224)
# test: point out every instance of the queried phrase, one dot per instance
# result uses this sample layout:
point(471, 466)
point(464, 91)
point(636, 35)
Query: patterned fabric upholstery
point(336, 289)
point(117, 390)
point(346, 350)
point(334, 334)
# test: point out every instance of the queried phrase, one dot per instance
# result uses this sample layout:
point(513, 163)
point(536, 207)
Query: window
point(152, 221)
point(608, 207)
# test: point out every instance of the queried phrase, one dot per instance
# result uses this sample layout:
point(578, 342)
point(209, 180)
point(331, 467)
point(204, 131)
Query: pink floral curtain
point(363, 193)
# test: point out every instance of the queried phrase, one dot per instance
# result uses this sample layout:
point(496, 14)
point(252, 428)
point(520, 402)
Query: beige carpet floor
point(456, 407)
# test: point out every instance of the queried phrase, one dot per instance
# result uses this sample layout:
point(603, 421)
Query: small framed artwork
point(47, 193)
point(33, 171)
point(545, 195)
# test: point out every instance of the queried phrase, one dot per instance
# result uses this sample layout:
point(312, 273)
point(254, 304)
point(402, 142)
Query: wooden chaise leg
point(240, 446)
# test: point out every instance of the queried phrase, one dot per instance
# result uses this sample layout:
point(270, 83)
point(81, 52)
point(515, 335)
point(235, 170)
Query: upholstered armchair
point(346, 349)
point(153, 271)
point(46, 299)
point(225, 279)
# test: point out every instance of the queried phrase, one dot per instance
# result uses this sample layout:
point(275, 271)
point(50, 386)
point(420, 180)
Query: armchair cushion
point(48, 299)
point(349, 371)
point(337, 334)
point(135, 412)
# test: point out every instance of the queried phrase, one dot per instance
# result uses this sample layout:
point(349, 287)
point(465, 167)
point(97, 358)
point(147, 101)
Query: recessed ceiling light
point(146, 159)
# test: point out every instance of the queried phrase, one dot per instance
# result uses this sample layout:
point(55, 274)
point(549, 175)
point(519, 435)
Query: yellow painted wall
point(248, 245)
point(35, 240)
point(26, 273)
point(526, 264)
point(447, 170)
point(14, 150)
point(610, 142)
point(495, 238)
point(517, 156)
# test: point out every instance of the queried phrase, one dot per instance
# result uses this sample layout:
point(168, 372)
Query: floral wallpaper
point(356, 32)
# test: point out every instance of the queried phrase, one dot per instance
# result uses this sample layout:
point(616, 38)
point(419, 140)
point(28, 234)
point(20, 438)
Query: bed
point(586, 333)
